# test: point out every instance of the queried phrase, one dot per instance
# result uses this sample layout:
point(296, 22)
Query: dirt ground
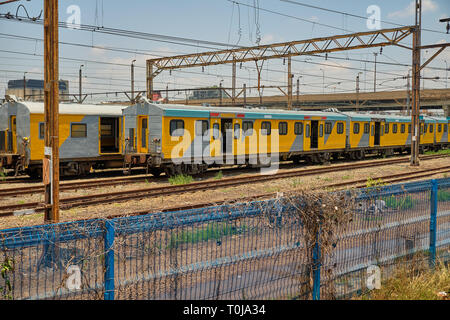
point(154, 204)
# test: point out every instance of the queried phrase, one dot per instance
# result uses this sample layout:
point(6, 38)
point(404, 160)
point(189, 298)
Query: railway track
point(358, 184)
point(102, 198)
point(71, 186)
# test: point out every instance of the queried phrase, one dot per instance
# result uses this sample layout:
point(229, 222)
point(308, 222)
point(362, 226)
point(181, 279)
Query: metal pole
point(446, 75)
point(80, 85)
point(289, 101)
point(408, 94)
point(149, 80)
point(167, 93)
point(51, 99)
point(132, 81)
point(375, 73)
point(220, 93)
point(24, 86)
point(245, 94)
point(416, 87)
point(357, 92)
point(233, 85)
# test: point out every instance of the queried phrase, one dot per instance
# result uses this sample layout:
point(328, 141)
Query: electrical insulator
point(448, 27)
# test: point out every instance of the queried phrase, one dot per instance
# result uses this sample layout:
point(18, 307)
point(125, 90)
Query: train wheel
point(359, 155)
point(155, 172)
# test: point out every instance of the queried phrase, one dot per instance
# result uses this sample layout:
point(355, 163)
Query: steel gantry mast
point(360, 40)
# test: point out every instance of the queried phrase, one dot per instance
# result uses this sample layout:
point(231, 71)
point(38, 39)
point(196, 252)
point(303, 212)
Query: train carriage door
point(377, 133)
point(108, 135)
point(142, 133)
point(226, 126)
point(13, 140)
point(314, 134)
point(201, 140)
point(307, 136)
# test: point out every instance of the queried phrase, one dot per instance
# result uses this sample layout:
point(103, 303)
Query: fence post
point(109, 260)
point(316, 274)
point(433, 218)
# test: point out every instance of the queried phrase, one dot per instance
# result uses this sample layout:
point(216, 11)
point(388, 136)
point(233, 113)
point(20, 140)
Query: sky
point(236, 23)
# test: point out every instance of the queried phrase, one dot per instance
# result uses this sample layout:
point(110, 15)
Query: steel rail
point(121, 196)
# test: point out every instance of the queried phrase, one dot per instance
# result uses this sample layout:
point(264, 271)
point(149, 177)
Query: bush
point(211, 232)
point(180, 179)
point(400, 202)
point(443, 195)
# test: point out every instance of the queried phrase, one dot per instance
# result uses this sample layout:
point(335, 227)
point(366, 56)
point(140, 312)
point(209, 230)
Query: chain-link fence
point(287, 248)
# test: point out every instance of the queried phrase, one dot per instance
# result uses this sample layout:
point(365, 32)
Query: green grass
point(2, 175)
point(444, 151)
point(219, 175)
point(375, 183)
point(443, 195)
point(412, 285)
point(211, 232)
point(400, 203)
point(180, 179)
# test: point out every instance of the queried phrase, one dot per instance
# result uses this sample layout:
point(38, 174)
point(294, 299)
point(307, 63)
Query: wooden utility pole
point(51, 103)
point(415, 108)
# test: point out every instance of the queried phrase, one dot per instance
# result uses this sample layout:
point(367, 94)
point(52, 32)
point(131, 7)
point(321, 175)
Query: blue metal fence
point(244, 251)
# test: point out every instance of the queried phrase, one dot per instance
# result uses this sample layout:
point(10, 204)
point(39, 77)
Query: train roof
point(73, 108)
point(174, 110)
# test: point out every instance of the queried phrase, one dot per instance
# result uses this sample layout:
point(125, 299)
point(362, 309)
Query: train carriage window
point(282, 128)
point(216, 131)
point(445, 128)
point(237, 130)
point(266, 128)
point(176, 128)
point(340, 128)
point(298, 128)
point(247, 128)
point(41, 130)
point(366, 128)
point(402, 128)
point(409, 128)
point(321, 130)
point(307, 130)
point(356, 128)
point(78, 130)
point(328, 127)
point(394, 128)
point(440, 128)
point(431, 128)
point(386, 128)
point(421, 129)
point(372, 133)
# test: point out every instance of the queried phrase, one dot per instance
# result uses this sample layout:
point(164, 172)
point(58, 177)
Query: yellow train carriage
point(89, 136)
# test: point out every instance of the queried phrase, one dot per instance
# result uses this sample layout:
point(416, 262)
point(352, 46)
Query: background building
point(34, 89)
point(207, 93)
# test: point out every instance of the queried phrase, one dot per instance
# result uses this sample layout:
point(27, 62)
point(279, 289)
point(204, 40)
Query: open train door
point(226, 126)
point(314, 134)
point(376, 141)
